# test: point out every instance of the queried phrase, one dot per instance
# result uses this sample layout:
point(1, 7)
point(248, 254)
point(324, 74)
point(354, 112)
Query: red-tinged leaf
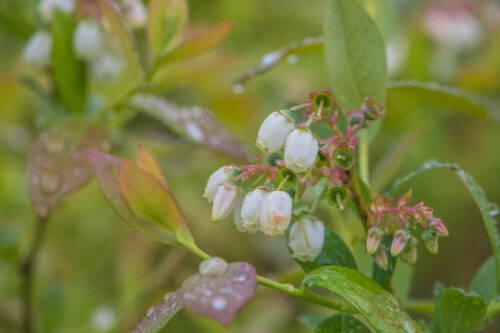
point(166, 18)
point(195, 45)
point(220, 297)
point(57, 166)
point(148, 199)
point(196, 123)
point(159, 315)
point(150, 165)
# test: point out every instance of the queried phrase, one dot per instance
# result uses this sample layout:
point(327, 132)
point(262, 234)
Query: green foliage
point(484, 281)
point(159, 315)
point(342, 323)
point(460, 312)
point(166, 18)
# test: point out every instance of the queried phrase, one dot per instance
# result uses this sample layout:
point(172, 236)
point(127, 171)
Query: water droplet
point(219, 303)
point(292, 59)
point(240, 278)
point(151, 312)
point(49, 182)
point(238, 88)
point(270, 59)
point(213, 266)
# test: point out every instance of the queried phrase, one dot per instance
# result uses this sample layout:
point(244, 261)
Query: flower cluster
point(399, 221)
point(90, 41)
point(302, 146)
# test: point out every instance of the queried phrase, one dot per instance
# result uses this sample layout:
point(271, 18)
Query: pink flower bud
point(273, 132)
point(373, 239)
point(410, 255)
point(224, 201)
point(401, 238)
point(251, 209)
point(217, 178)
point(276, 213)
point(439, 227)
point(301, 150)
point(306, 238)
point(381, 259)
point(135, 13)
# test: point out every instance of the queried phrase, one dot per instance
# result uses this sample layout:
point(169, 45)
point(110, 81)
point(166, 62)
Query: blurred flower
point(217, 178)
point(273, 132)
point(224, 201)
point(301, 150)
point(135, 13)
point(276, 213)
point(106, 67)
point(252, 208)
point(38, 50)
point(306, 238)
point(88, 40)
point(103, 319)
point(47, 7)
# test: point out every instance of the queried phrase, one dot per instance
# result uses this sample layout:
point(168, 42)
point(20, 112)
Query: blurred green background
point(97, 275)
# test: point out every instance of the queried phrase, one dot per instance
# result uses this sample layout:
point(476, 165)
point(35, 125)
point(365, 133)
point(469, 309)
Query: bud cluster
point(399, 221)
point(267, 196)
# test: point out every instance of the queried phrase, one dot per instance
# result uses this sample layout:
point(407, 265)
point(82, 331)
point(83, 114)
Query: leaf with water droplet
point(220, 297)
point(342, 323)
point(194, 123)
point(56, 166)
point(379, 307)
point(460, 312)
point(159, 315)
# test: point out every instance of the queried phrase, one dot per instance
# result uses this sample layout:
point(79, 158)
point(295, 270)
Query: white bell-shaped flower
point(273, 132)
point(47, 8)
point(251, 209)
point(106, 67)
point(217, 178)
point(38, 50)
point(88, 40)
point(135, 13)
point(224, 201)
point(306, 238)
point(276, 213)
point(301, 150)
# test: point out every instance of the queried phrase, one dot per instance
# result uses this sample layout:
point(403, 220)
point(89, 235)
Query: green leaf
point(487, 209)
point(460, 312)
point(334, 252)
point(437, 95)
point(483, 282)
point(439, 288)
point(68, 71)
point(355, 54)
point(159, 315)
point(342, 323)
point(382, 276)
point(379, 307)
point(166, 18)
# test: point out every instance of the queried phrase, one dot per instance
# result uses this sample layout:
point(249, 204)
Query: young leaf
point(159, 315)
point(355, 54)
point(334, 252)
point(194, 45)
point(383, 276)
point(460, 312)
point(68, 71)
point(438, 95)
point(220, 297)
point(483, 282)
point(487, 209)
point(57, 166)
point(342, 323)
point(197, 124)
point(147, 162)
point(166, 18)
point(379, 307)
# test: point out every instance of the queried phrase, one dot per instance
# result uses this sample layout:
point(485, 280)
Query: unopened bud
point(306, 238)
point(252, 208)
point(439, 227)
point(410, 255)
point(47, 8)
point(135, 13)
point(344, 157)
point(224, 201)
point(373, 238)
point(432, 244)
point(381, 259)
point(273, 132)
point(217, 178)
point(38, 50)
point(401, 238)
point(276, 213)
point(355, 117)
point(301, 150)
point(88, 40)
point(214, 266)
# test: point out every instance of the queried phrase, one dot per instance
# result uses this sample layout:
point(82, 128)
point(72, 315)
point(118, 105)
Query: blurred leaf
point(159, 315)
point(460, 312)
point(483, 282)
point(166, 18)
point(68, 71)
point(147, 162)
point(194, 45)
point(193, 122)
point(57, 166)
point(311, 320)
point(342, 323)
point(379, 307)
point(334, 252)
point(272, 59)
point(220, 297)
point(355, 55)
point(133, 73)
point(382, 276)
point(487, 209)
point(16, 25)
point(439, 288)
point(437, 95)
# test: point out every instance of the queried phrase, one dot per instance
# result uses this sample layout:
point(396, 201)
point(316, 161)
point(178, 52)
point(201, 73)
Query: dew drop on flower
point(219, 303)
